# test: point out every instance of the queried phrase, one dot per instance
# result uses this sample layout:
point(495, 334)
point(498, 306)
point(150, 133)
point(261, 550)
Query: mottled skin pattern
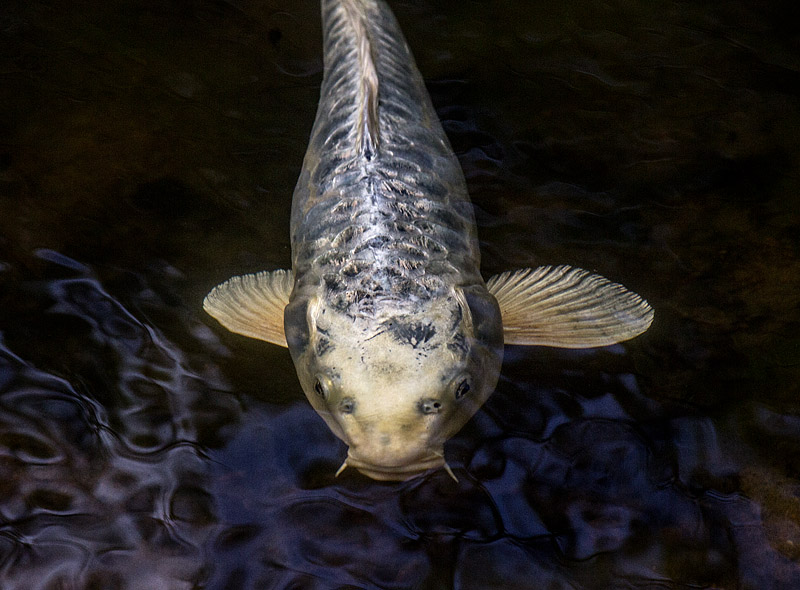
point(396, 340)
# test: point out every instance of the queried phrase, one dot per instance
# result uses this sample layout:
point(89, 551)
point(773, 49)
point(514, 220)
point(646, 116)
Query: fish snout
point(393, 454)
point(394, 470)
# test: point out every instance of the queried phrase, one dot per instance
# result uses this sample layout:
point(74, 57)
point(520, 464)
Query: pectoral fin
point(252, 305)
point(567, 307)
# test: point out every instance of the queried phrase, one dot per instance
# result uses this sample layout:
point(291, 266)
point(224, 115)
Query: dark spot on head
point(413, 333)
point(458, 344)
point(323, 346)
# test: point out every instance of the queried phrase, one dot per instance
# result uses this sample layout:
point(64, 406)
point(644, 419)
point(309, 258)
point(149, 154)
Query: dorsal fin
point(367, 106)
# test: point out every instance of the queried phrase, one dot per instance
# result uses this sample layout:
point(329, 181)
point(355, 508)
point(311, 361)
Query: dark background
point(148, 151)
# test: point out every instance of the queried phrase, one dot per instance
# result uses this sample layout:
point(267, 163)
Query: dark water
point(148, 150)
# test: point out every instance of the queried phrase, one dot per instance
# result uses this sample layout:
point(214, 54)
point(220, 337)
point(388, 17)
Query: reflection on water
point(148, 151)
point(103, 452)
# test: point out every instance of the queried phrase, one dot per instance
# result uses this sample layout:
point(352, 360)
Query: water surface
point(148, 151)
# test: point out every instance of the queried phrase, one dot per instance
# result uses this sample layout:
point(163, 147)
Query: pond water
point(148, 151)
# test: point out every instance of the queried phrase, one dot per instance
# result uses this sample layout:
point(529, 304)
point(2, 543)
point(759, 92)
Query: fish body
point(396, 338)
point(385, 257)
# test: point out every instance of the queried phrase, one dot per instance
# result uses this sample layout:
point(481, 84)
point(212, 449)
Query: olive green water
point(148, 151)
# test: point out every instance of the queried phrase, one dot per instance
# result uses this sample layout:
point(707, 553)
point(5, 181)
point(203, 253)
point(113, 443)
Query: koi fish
point(396, 338)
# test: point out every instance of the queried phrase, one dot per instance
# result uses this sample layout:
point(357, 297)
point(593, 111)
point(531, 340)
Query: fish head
point(396, 385)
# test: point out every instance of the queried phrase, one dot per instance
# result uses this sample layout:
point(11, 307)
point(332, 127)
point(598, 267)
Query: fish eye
point(462, 389)
point(323, 385)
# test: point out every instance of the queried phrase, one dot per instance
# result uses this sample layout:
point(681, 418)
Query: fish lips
point(399, 472)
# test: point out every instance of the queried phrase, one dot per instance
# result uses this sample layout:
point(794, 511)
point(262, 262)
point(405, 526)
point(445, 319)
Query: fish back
point(381, 203)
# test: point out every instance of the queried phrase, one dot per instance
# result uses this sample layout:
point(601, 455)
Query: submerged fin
point(252, 305)
point(567, 307)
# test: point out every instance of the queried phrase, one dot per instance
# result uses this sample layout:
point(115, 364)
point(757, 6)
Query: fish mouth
point(395, 472)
